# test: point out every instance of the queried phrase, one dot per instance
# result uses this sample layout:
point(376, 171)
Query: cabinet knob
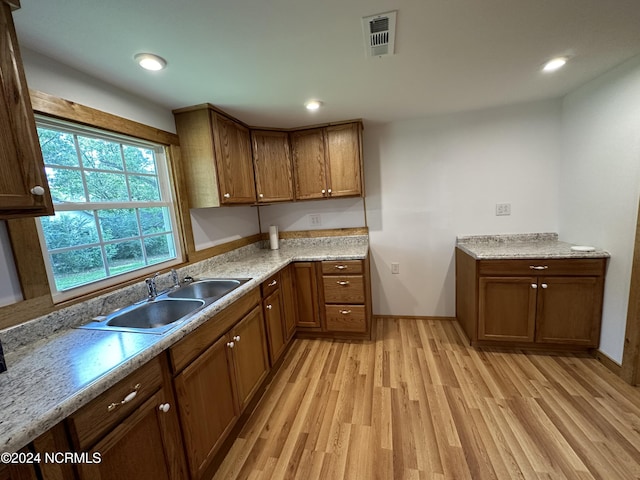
point(230, 344)
point(37, 190)
point(269, 307)
point(534, 285)
point(343, 283)
point(261, 195)
point(324, 191)
point(237, 338)
point(164, 407)
point(544, 285)
point(227, 195)
point(329, 191)
point(345, 312)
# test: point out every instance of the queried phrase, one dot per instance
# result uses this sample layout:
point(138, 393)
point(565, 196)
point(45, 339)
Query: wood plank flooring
point(418, 403)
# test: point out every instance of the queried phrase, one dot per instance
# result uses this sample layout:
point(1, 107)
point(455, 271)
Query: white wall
point(600, 183)
point(334, 213)
point(429, 180)
point(213, 226)
point(51, 77)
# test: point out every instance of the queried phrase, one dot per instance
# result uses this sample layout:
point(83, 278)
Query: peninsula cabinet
point(552, 303)
point(327, 161)
point(272, 166)
point(217, 161)
point(24, 191)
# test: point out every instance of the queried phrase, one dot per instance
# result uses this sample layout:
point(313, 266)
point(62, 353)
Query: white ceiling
point(261, 59)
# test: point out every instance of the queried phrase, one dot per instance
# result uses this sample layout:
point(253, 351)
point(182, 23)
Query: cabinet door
point(273, 314)
point(272, 166)
point(288, 301)
point(343, 160)
point(140, 447)
point(306, 282)
point(233, 161)
point(308, 151)
point(249, 355)
point(206, 404)
point(569, 310)
point(507, 308)
point(21, 164)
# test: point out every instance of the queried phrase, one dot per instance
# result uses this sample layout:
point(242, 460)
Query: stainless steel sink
point(207, 288)
point(168, 309)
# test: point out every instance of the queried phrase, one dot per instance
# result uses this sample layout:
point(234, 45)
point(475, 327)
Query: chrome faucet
point(174, 278)
point(152, 291)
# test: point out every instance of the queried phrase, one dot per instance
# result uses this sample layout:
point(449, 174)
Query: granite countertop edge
point(25, 417)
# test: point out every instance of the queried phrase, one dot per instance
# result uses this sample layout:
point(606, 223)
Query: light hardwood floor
point(418, 403)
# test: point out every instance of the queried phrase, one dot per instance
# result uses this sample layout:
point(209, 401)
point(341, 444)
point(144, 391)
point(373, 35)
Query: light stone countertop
point(522, 246)
point(54, 369)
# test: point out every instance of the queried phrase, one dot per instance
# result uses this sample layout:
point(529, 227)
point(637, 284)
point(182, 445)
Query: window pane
point(144, 188)
point(107, 187)
point(65, 185)
point(101, 154)
point(124, 256)
point(77, 267)
point(58, 148)
point(139, 160)
point(69, 229)
point(118, 223)
point(155, 220)
point(159, 248)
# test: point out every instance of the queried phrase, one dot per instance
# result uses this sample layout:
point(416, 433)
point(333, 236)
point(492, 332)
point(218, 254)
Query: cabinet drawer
point(95, 419)
point(343, 288)
point(346, 318)
point(577, 266)
point(270, 285)
point(342, 267)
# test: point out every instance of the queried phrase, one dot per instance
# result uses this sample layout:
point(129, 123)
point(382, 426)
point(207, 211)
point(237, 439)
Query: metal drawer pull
point(164, 407)
point(534, 285)
point(538, 267)
point(271, 284)
point(344, 283)
point(544, 285)
point(345, 312)
point(341, 267)
point(130, 396)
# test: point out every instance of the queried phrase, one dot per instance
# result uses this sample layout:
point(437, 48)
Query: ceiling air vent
point(379, 34)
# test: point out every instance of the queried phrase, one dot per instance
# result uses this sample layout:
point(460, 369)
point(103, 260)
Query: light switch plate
point(503, 209)
point(315, 220)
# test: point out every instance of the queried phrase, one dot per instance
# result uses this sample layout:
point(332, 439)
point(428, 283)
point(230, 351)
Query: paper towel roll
point(273, 237)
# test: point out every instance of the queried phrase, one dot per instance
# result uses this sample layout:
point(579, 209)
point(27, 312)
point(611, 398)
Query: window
point(113, 209)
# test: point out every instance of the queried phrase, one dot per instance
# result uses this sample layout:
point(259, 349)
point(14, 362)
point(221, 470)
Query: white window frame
point(167, 200)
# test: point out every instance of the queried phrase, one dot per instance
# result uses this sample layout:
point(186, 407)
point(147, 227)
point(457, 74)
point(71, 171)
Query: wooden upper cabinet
point(327, 162)
point(233, 160)
point(309, 163)
point(23, 184)
point(272, 166)
point(216, 158)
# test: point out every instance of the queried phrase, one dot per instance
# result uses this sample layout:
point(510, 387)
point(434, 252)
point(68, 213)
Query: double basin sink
point(168, 309)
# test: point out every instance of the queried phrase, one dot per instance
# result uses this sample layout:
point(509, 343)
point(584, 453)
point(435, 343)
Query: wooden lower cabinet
point(306, 281)
point(207, 405)
point(498, 303)
point(213, 389)
point(289, 307)
point(274, 318)
point(140, 447)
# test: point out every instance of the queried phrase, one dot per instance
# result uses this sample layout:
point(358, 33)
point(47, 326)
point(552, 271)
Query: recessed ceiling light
point(149, 61)
point(554, 64)
point(313, 105)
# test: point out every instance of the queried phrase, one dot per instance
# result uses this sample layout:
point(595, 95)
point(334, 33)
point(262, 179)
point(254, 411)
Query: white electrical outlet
point(503, 209)
point(395, 267)
point(315, 220)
